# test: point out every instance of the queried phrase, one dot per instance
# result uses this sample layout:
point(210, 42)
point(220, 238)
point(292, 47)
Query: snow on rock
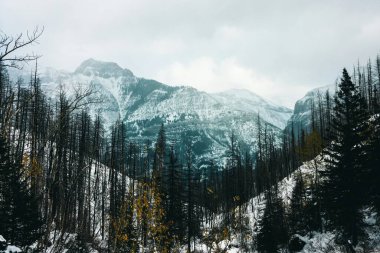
point(247, 101)
point(7, 248)
point(12, 249)
point(320, 243)
point(301, 117)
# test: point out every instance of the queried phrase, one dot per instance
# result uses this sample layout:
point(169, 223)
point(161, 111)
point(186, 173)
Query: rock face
point(207, 120)
point(301, 118)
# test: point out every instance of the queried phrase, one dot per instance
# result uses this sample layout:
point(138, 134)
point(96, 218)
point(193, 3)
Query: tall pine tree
point(343, 186)
point(19, 217)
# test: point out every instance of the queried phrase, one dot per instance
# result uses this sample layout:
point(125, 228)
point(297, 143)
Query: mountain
point(207, 120)
point(301, 118)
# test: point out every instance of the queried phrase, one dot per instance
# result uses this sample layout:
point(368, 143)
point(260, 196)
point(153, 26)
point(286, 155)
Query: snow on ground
point(12, 249)
point(62, 243)
point(9, 248)
point(255, 209)
point(315, 242)
point(68, 238)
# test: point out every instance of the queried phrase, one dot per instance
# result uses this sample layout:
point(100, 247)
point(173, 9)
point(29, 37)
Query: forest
point(67, 184)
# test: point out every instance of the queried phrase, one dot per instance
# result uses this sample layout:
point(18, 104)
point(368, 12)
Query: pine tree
point(374, 162)
point(296, 217)
point(159, 157)
point(273, 231)
point(374, 144)
point(265, 243)
point(343, 185)
point(6, 197)
point(19, 217)
point(174, 204)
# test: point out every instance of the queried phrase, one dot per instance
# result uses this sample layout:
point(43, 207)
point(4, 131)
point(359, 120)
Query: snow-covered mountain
point(188, 114)
point(301, 118)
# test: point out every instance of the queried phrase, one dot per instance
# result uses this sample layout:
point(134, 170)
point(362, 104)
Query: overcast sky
point(277, 49)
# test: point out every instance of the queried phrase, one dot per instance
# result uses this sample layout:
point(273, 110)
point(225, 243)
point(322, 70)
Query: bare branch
point(10, 45)
point(82, 98)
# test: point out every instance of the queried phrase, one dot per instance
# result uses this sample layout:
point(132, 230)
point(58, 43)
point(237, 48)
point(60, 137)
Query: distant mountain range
point(205, 119)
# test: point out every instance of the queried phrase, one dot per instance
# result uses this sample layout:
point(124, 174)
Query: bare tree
point(10, 45)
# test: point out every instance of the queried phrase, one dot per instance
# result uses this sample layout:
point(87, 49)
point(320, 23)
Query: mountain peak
point(101, 68)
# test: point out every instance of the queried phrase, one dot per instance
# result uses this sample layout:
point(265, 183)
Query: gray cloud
point(278, 49)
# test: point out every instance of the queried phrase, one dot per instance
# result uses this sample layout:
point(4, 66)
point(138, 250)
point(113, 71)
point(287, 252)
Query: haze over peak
point(102, 68)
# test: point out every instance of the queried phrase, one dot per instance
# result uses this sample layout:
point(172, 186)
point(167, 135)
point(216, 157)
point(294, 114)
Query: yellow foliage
point(36, 168)
point(124, 238)
point(25, 160)
point(120, 223)
point(225, 233)
point(158, 230)
point(32, 167)
point(236, 198)
point(312, 146)
point(145, 208)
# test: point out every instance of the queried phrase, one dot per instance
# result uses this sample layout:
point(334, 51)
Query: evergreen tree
point(296, 217)
point(19, 217)
point(174, 204)
point(343, 185)
point(273, 231)
point(374, 162)
point(159, 157)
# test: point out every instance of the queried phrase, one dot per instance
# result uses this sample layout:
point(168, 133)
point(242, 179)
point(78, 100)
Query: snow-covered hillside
point(314, 242)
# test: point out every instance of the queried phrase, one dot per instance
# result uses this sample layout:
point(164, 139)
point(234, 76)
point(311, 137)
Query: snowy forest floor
point(319, 242)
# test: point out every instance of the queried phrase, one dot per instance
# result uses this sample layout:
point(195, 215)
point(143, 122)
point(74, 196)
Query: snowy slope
point(60, 242)
point(316, 242)
point(247, 101)
point(254, 211)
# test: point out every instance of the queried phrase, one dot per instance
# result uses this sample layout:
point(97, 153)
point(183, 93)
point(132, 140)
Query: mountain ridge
point(205, 119)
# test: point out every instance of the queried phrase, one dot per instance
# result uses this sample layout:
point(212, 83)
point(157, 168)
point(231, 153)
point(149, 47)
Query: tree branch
point(9, 45)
